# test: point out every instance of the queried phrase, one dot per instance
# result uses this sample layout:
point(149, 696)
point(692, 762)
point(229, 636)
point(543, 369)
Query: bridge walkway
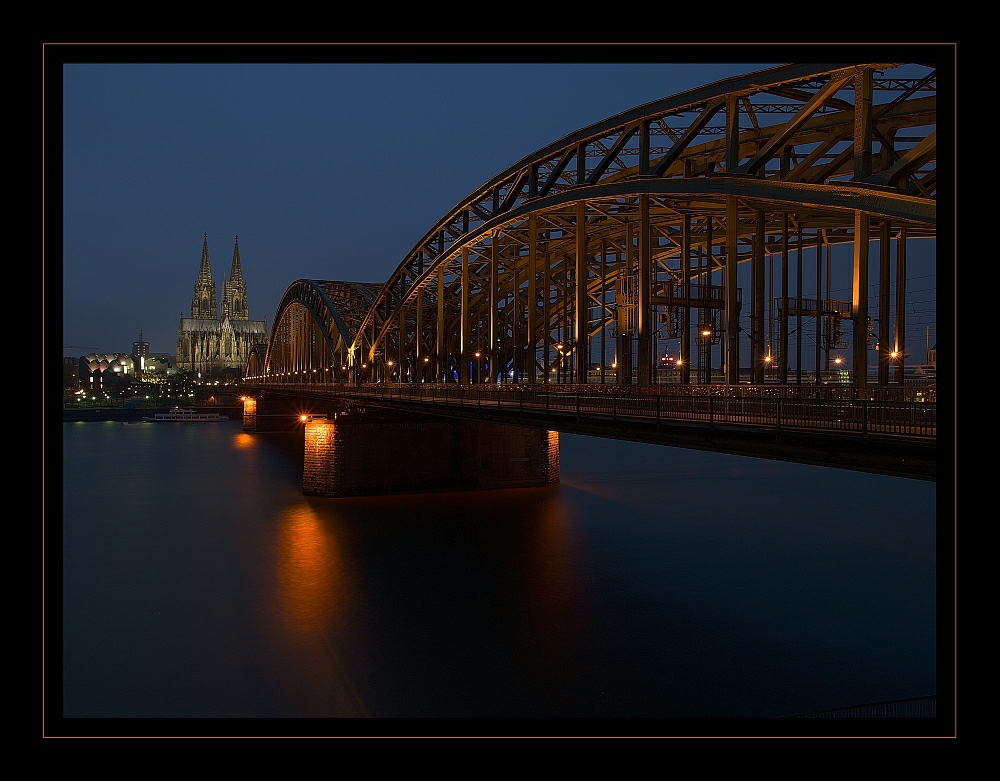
point(865, 417)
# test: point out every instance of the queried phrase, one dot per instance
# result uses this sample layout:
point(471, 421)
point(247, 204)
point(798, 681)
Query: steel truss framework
point(583, 247)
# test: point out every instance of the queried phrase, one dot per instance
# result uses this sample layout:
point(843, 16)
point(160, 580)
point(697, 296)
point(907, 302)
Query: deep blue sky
point(324, 171)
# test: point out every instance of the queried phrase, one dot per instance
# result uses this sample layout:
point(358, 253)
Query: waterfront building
point(100, 371)
point(71, 375)
point(140, 353)
point(210, 344)
point(158, 364)
point(140, 356)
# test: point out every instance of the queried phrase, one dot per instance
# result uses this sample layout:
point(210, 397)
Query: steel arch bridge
point(639, 228)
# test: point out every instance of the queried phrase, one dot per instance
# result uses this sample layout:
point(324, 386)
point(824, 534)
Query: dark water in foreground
point(654, 581)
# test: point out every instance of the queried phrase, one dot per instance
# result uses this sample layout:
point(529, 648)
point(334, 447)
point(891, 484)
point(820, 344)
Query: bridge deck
point(889, 437)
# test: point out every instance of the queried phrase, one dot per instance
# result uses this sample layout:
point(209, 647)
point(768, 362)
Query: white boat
point(178, 414)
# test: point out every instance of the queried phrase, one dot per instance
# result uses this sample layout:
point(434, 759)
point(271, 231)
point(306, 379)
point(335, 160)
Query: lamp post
point(896, 357)
point(838, 362)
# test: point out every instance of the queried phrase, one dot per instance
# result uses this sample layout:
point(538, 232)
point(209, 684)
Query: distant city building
point(101, 371)
point(140, 352)
point(207, 343)
point(160, 364)
point(71, 374)
point(932, 356)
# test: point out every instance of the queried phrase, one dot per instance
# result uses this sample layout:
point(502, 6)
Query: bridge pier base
point(367, 454)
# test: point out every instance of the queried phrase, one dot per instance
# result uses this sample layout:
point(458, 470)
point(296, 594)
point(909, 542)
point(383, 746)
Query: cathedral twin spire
point(234, 290)
point(236, 272)
point(203, 305)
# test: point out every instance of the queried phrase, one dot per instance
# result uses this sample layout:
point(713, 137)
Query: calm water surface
point(653, 581)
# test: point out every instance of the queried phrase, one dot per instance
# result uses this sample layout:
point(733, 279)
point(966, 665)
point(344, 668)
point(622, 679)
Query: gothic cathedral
point(207, 343)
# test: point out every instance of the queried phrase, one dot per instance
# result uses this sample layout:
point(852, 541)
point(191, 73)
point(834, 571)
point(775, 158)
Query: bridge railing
point(913, 393)
point(864, 416)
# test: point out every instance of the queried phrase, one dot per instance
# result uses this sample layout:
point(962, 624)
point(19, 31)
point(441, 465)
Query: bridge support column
point(465, 327)
point(900, 346)
point(370, 454)
point(884, 347)
point(860, 302)
point(783, 322)
point(532, 340)
point(758, 352)
point(439, 343)
point(645, 311)
point(732, 312)
point(686, 294)
point(581, 320)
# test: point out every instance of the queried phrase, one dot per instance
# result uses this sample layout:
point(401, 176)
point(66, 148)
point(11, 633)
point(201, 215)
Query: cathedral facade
point(208, 342)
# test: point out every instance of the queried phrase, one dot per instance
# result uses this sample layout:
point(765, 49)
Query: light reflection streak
point(243, 441)
point(309, 571)
point(554, 588)
point(312, 589)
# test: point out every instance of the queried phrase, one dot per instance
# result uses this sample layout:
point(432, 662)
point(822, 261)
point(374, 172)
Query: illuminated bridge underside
point(634, 229)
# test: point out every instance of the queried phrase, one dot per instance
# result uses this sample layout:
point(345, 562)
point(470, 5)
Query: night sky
point(325, 171)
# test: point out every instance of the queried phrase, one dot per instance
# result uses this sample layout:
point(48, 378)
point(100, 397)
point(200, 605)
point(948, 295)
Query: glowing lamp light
point(426, 360)
point(894, 354)
point(837, 360)
point(390, 363)
point(302, 418)
point(705, 333)
point(767, 359)
point(478, 355)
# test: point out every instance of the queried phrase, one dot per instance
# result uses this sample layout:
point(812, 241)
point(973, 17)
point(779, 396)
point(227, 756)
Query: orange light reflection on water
point(310, 571)
point(243, 441)
point(553, 587)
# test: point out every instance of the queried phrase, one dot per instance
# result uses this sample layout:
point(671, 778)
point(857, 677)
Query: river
point(652, 582)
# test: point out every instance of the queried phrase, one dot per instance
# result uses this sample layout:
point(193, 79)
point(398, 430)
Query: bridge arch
point(314, 326)
point(256, 361)
point(596, 228)
point(652, 224)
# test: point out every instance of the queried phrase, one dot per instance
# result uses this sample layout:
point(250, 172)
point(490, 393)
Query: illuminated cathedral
point(209, 343)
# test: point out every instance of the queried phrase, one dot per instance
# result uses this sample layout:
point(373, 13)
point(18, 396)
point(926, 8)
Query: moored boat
point(179, 414)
